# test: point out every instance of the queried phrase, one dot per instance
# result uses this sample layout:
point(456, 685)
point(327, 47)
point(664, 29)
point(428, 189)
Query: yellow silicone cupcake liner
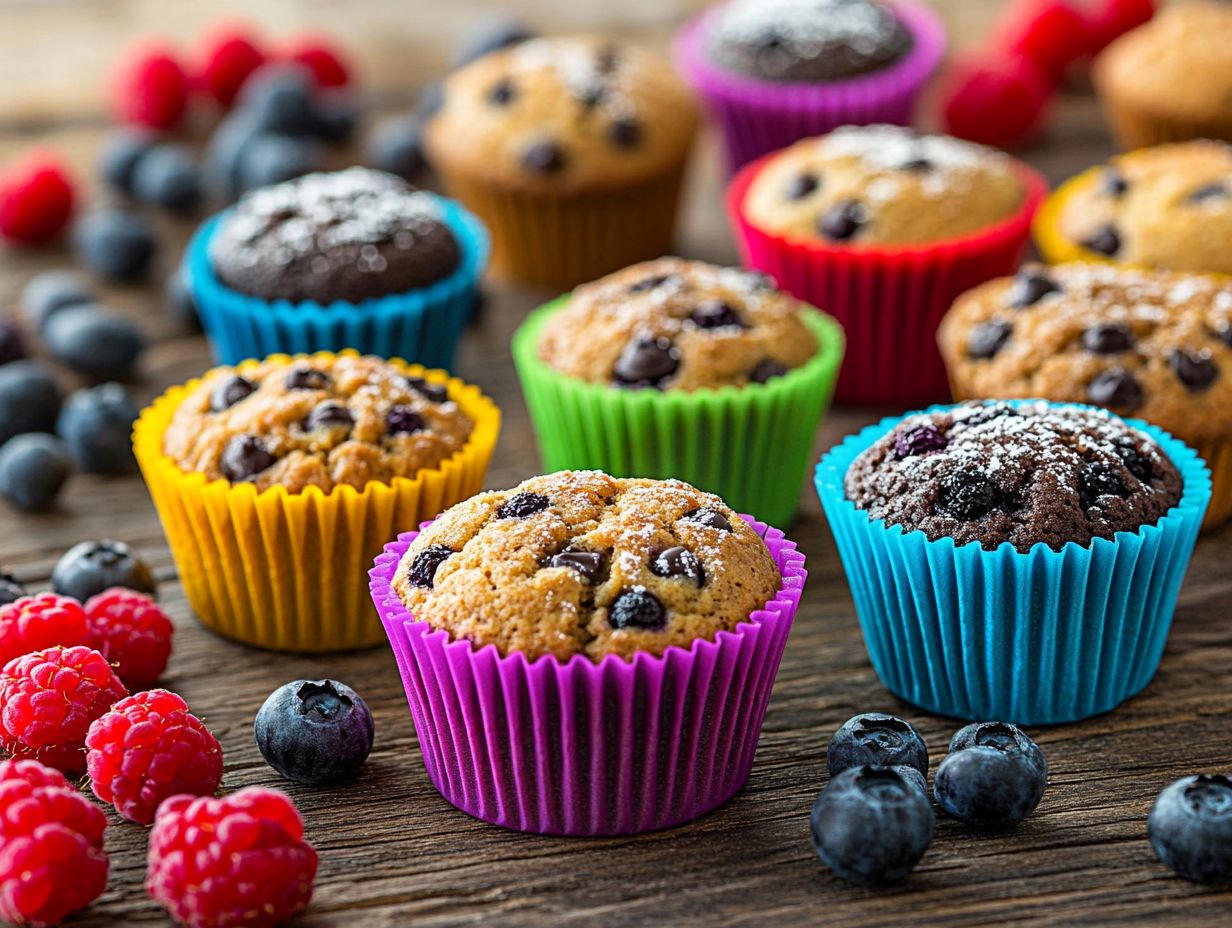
point(289, 571)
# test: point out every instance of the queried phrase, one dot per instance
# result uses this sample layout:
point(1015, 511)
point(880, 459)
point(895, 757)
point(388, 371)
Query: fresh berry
point(43, 621)
point(994, 775)
point(11, 589)
point(314, 731)
point(117, 244)
point(133, 634)
point(995, 101)
point(151, 88)
point(33, 469)
point(149, 747)
point(334, 116)
point(1050, 34)
point(122, 150)
point(49, 698)
point(168, 177)
point(92, 567)
point(50, 292)
point(872, 824)
point(36, 200)
point(878, 739)
point(178, 297)
point(280, 97)
point(225, 151)
point(492, 36)
point(12, 347)
point(919, 439)
point(1190, 827)
point(97, 424)
point(29, 399)
point(271, 159)
point(229, 57)
point(239, 861)
point(396, 146)
point(28, 779)
point(323, 59)
point(94, 342)
point(1108, 20)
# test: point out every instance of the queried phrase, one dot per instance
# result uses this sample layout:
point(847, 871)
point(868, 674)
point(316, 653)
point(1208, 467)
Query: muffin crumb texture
point(583, 563)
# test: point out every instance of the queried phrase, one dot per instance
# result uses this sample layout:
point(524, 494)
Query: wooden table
point(392, 851)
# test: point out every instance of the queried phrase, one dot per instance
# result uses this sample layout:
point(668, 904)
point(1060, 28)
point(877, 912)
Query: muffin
point(581, 633)
point(276, 481)
point(1014, 560)
point(1153, 344)
point(675, 368)
point(775, 71)
point(355, 258)
point(1166, 207)
point(571, 149)
point(1170, 79)
point(883, 228)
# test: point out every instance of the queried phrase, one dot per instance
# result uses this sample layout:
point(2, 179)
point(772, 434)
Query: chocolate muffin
point(583, 563)
point(315, 422)
point(807, 40)
point(1026, 474)
point(673, 324)
point(351, 235)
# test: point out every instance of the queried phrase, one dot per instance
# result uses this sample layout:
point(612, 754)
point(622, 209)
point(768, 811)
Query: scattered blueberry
point(314, 731)
point(167, 176)
point(93, 566)
point(919, 439)
point(711, 518)
point(966, 494)
point(334, 117)
point(122, 150)
point(1190, 827)
point(33, 468)
point(94, 341)
point(396, 146)
point(97, 423)
point(842, 221)
point(586, 563)
point(1097, 480)
point(51, 292)
point(403, 420)
point(227, 393)
point(637, 608)
point(988, 338)
point(424, 567)
point(271, 159)
point(994, 775)
point(1031, 286)
point(29, 399)
point(679, 561)
point(115, 243)
point(490, 37)
point(521, 505)
point(11, 589)
point(878, 739)
point(177, 294)
point(226, 150)
point(280, 98)
point(12, 348)
point(1195, 369)
point(766, 370)
point(243, 457)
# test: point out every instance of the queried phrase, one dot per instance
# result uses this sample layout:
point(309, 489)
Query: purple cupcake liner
point(582, 748)
point(758, 116)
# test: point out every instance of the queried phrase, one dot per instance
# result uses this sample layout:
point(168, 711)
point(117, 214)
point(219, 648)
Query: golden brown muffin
point(1168, 206)
point(583, 563)
point(883, 185)
point(673, 324)
point(315, 422)
point(1151, 344)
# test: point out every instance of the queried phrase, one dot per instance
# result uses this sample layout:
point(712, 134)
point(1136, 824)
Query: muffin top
point(883, 185)
point(806, 40)
point(1153, 344)
point(1027, 474)
point(350, 235)
point(673, 324)
point(563, 114)
point(315, 422)
point(583, 563)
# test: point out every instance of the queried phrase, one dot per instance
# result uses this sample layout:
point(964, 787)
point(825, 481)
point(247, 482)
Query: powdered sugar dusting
point(892, 147)
point(812, 25)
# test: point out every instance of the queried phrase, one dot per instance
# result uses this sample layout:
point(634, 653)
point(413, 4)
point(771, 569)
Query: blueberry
point(966, 495)
point(178, 298)
point(1190, 827)
point(97, 423)
point(272, 159)
point(334, 117)
point(994, 775)
point(426, 563)
point(490, 37)
point(115, 243)
point(521, 505)
point(33, 468)
point(122, 151)
point(93, 566)
point(711, 518)
point(396, 146)
point(279, 96)
point(29, 399)
point(919, 439)
point(872, 824)
point(168, 177)
point(12, 347)
point(1098, 480)
point(637, 608)
point(314, 731)
point(11, 589)
point(51, 292)
point(226, 150)
point(95, 342)
point(878, 739)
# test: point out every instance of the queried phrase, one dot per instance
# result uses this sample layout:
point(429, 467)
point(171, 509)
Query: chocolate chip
point(842, 221)
point(1217, 190)
point(1104, 241)
point(329, 415)
point(1137, 463)
point(244, 456)
point(1030, 287)
point(586, 563)
point(625, 133)
point(678, 561)
point(432, 392)
point(1117, 389)
point(502, 92)
point(1107, 338)
point(1194, 369)
point(229, 392)
point(544, 157)
point(1099, 480)
point(651, 283)
point(919, 439)
point(966, 494)
point(986, 339)
point(802, 185)
point(711, 518)
point(426, 564)
point(403, 420)
point(715, 314)
point(646, 362)
point(1113, 183)
point(521, 505)
point(306, 378)
point(637, 608)
point(767, 370)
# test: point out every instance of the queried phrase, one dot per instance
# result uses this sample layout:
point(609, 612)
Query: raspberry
point(43, 621)
point(36, 200)
point(1051, 34)
point(48, 700)
point(148, 747)
point(240, 861)
point(228, 57)
point(130, 631)
point(321, 57)
point(995, 102)
point(1110, 19)
point(151, 88)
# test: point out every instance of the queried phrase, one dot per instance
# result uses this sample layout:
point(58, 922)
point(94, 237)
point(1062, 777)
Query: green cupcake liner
point(750, 445)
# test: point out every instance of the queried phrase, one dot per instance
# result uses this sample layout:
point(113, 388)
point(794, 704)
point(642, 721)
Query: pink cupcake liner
point(583, 748)
point(889, 300)
point(758, 116)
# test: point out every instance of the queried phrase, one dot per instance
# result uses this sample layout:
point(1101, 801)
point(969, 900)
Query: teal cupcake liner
point(422, 326)
point(1038, 638)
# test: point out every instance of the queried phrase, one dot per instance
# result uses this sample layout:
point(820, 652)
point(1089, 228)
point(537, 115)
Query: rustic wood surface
point(392, 851)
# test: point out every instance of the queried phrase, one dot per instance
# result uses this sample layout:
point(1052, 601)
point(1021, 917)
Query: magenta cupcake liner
point(582, 748)
point(757, 116)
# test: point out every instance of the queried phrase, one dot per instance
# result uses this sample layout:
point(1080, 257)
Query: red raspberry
point(995, 102)
point(130, 630)
point(1108, 20)
point(148, 747)
point(151, 88)
point(51, 845)
point(36, 200)
point(49, 698)
point(42, 621)
point(321, 57)
point(1049, 33)
point(228, 56)
point(240, 861)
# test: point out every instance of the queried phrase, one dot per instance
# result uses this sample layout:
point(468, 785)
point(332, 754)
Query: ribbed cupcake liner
point(584, 748)
point(750, 445)
point(888, 300)
point(423, 326)
point(1036, 639)
point(757, 117)
point(286, 570)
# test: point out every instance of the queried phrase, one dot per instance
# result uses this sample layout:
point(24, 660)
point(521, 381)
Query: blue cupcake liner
point(422, 326)
point(1037, 638)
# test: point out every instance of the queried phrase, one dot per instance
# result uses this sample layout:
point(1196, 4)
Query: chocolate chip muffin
point(806, 40)
point(883, 186)
point(350, 235)
point(1168, 206)
point(673, 324)
point(1026, 474)
point(578, 562)
point(315, 422)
